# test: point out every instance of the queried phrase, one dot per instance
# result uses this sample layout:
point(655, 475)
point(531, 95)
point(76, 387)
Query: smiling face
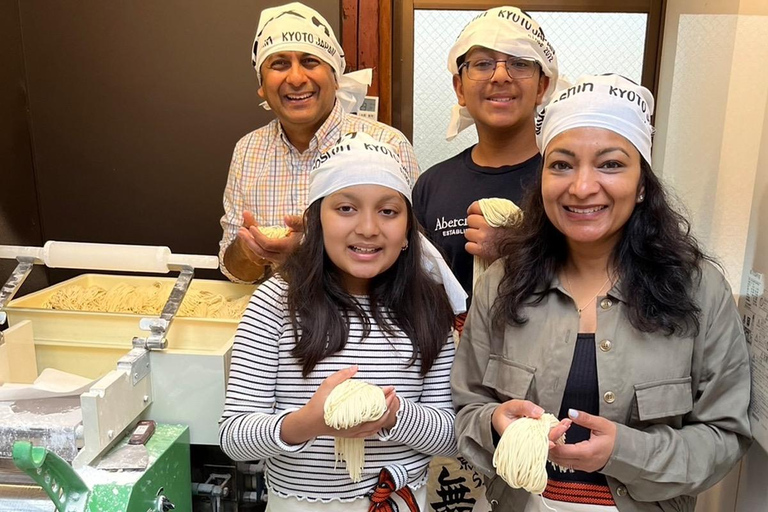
point(499, 102)
point(365, 228)
point(590, 185)
point(300, 89)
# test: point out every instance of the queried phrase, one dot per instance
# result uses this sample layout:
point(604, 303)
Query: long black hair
point(657, 261)
point(320, 307)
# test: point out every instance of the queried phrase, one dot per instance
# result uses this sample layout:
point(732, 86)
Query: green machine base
point(164, 485)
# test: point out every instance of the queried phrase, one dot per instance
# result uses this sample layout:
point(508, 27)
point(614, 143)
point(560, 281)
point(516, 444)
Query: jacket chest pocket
point(664, 402)
point(508, 378)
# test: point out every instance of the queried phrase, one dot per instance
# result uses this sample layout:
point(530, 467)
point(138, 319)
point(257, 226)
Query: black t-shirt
point(443, 193)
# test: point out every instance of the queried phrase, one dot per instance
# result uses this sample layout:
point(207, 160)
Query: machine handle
point(57, 478)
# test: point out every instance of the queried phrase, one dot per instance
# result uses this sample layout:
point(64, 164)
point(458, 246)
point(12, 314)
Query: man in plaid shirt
point(300, 67)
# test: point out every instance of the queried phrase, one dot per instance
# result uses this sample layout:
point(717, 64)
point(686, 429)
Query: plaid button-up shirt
point(270, 178)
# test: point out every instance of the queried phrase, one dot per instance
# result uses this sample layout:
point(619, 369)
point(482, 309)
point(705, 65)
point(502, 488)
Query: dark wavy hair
point(657, 260)
point(403, 297)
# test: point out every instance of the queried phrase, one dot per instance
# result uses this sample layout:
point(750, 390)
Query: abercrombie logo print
point(451, 227)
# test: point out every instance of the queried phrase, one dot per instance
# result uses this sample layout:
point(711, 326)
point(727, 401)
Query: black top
point(583, 394)
point(443, 193)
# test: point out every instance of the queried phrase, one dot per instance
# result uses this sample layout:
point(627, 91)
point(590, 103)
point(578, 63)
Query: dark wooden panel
point(402, 68)
point(385, 61)
point(136, 107)
point(368, 41)
point(19, 220)
point(349, 27)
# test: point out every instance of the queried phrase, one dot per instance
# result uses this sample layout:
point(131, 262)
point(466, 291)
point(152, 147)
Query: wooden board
point(17, 355)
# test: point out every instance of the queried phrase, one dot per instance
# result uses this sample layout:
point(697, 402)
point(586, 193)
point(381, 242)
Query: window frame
point(403, 40)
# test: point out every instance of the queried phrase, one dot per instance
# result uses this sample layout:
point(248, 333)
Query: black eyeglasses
point(484, 69)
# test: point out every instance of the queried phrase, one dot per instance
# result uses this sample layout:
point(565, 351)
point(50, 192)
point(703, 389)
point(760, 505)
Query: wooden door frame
point(366, 37)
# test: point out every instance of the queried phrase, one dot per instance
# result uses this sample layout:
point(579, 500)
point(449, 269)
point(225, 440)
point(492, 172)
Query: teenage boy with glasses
point(503, 68)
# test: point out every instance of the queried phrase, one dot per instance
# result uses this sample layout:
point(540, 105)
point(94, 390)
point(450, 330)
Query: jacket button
point(606, 345)
point(621, 491)
point(609, 397)
point(606, 303)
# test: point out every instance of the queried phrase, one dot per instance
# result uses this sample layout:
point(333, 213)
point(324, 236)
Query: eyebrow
point(287, 55)
point(564, 151)
point(599, 153)
point(352, 197)
point(610, 150)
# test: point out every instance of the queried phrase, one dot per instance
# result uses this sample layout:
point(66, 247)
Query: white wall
point(711, 147)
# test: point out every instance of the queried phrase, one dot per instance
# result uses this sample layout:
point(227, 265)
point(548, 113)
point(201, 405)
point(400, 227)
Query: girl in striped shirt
point(361, 298)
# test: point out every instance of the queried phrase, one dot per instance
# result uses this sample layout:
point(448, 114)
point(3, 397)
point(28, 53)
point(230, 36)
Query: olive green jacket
point(680, 403)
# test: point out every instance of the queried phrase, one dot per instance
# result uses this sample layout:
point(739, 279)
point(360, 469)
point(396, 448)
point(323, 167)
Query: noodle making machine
point(98, 410)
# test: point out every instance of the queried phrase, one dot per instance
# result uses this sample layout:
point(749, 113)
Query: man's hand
point(590, 455)
point(481, 237)
point(252, 251)
point(263, 250)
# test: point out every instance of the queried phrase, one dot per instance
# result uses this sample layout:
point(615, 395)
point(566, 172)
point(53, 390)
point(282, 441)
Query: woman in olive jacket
point(604, 312)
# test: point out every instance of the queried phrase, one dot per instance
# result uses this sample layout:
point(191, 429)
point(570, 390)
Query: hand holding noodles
point(498, 213)
point(275, 231)
point(349, 404)
point(521, 456)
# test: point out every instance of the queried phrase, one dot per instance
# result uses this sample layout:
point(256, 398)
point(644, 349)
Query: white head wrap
point(508, 30)
point(359, 159)
point(611, 102)
point(295, 27)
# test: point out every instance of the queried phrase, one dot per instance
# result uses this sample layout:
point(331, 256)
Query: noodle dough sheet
point(51, 383)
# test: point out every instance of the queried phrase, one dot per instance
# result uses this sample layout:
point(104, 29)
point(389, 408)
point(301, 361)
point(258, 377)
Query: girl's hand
point(309, 422)
point(511, 410)
point(593, 454)
point(371, 428)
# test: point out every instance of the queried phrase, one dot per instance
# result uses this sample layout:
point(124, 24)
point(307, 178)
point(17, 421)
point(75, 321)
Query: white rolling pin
point(124, 258)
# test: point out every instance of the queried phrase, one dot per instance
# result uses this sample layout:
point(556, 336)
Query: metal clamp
point(158, 327)
point(135, 363)
point(217, 486)
point(12, 285)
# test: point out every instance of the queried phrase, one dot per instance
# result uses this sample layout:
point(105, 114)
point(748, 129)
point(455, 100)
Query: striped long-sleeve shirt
point(265, 384)
point(270, 178)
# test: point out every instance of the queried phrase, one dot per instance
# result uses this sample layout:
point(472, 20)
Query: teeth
point(363, 250)
point(501, 100)
point(299, 97)
point(585, 210)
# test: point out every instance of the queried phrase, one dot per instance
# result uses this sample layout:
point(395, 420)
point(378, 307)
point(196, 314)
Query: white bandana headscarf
point(611, 102)
point(359, 159)
point(295, 27)
point(508, 30)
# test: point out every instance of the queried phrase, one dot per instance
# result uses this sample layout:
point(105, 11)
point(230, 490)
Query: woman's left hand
point(590, 455)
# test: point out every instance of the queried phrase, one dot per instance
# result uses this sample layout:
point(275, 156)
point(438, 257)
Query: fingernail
point(538, 410)
point(573, 413)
